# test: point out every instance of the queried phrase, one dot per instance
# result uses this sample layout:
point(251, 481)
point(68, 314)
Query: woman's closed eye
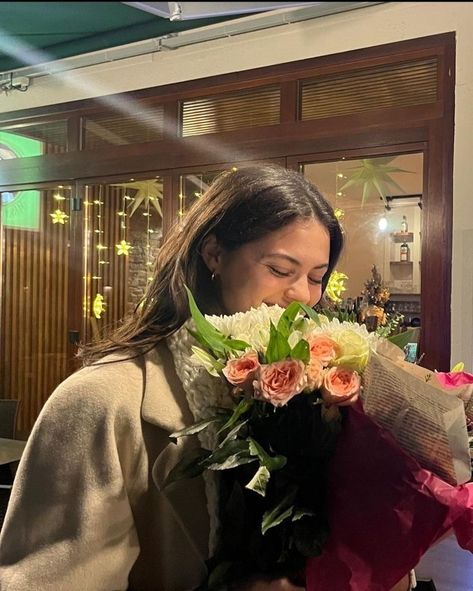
point(283, 273)
point(279, 272)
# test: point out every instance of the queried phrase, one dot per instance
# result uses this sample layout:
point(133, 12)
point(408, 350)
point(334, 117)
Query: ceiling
point(33, 33)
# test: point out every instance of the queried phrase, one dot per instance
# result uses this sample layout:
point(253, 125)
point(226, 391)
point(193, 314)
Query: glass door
point(378, 200)
point(122, 232)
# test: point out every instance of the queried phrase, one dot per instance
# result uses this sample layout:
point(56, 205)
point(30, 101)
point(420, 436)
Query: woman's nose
point(299, 291)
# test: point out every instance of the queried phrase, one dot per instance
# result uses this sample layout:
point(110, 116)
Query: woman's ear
point(212, 254)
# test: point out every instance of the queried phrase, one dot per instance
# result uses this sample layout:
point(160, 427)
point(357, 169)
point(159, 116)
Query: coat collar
point(165, 405)
point(164, 399)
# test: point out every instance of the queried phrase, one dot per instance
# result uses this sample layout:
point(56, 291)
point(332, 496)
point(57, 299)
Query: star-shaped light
point(373, 176)
point(336, 286)
point(123, 248)
point(59, 217)
point(147, 193)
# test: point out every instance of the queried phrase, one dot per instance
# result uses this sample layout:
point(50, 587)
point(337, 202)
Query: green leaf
point(270, 462)
point(312, 314)
point(233, 453)
point(301, 351)
point(197, 337)
point(402, 338)
point(300, 513)
point(278, 347)
point(212, 337)
point(282, 511)
point(208, 335)
point(242, 407)
point(298, 324)
point(236, 345)
point(196, 428)
point(190, 466)
point(233, 433)
point(212, 365)
point(260, 480)
point(287, 318)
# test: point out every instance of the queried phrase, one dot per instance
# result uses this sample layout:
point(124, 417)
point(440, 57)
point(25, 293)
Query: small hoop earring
point(213, 277)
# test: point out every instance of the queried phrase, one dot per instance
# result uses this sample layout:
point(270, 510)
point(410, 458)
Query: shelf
point(399, 237)
point(403, 263)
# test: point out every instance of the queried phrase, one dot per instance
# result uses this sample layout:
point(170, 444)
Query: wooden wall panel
point(34, 312)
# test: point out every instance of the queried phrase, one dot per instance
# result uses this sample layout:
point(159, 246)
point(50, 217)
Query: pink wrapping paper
point(454, 379)
point(385, 512)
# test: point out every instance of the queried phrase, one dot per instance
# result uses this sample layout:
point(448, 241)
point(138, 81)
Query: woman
point(85, 513)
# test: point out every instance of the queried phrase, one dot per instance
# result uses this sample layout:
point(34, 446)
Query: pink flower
point(242, 370)
point(323, 349)
point(315, 375)
point(280, 381)
point(341, 386)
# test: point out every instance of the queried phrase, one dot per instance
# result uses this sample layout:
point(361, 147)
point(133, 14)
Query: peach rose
point(315, 375)
point(323, 348)
point(242, 370)
point(341, 386)
point(280, 381)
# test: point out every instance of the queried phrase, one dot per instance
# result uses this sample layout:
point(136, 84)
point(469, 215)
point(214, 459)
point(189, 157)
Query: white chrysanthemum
point(252, 326)
point(334, 327)
point(354, 341)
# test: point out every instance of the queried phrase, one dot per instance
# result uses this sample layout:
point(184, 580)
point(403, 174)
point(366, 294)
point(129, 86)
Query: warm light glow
point(382, 224)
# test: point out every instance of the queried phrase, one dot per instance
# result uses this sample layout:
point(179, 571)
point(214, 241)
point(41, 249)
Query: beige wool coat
point(85, 512)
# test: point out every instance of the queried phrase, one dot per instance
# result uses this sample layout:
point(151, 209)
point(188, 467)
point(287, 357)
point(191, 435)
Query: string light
point(59, 216)
point(98, 305)
point(123, 247)
point(149, 231)
point(339, 212)
point(85, 256)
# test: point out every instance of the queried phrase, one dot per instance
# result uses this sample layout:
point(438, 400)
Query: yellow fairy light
point(123, 247)
point(98, 306)
point(101, 247)
point(339, 213)
point(59, 197)
point(59, 217)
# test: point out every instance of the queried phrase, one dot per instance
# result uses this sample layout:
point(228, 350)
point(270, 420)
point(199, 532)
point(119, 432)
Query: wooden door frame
point(435, 342)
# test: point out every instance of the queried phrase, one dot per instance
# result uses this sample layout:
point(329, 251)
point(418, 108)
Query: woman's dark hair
point(239, 207)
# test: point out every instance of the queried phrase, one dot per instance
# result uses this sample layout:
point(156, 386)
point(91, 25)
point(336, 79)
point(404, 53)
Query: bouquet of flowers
point(291, 373)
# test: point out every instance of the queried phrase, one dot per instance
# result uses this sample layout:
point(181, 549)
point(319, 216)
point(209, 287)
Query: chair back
point(8, 414)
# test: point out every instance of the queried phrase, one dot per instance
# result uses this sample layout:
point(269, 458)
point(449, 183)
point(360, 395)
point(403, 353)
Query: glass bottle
point(404, 251)
point(404, 225)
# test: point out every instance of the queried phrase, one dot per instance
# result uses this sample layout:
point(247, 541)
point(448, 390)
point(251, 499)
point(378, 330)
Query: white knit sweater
point(204, 393)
